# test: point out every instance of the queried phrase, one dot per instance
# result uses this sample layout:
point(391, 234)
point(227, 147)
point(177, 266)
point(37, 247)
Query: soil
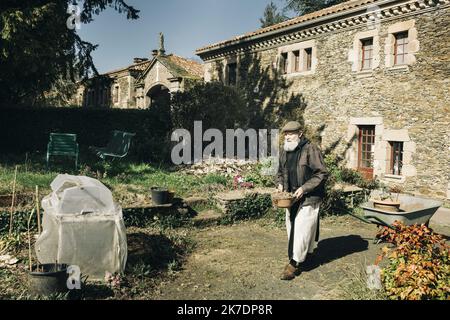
point(244, 261)
point(239, 262)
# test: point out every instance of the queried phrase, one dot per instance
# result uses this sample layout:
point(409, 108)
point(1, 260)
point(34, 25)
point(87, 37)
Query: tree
point(301, 7)
point(271, 16)
point(37, 49)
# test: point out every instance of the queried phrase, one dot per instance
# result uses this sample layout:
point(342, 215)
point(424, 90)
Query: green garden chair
point(63, 144)
point(117, 147)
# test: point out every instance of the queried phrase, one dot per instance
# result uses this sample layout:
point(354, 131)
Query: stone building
point(142, 83)
point(375, 79)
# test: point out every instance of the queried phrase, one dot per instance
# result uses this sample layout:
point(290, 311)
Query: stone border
point(301, 46)
point(381, 150)
point(355, 54)
point(413, 43)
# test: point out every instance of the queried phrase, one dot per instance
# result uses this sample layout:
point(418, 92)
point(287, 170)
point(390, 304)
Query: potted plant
point(387, 202)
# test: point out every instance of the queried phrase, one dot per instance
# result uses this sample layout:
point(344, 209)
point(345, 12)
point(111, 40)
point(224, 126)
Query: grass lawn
point(125, 179)
point(241, 260)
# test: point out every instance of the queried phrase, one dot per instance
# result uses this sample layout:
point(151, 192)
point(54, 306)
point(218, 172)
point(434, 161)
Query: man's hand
point(280, 188)
point(298, 194)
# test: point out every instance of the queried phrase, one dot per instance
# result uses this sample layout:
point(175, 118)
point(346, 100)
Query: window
point(366, 150)
point(367, 54)
point(296, 58)
point(400, 48)
point(116, 94)
point(297, 67)
point(232, 74)
point(284, 63)
point(88, 97)
point(396, 158)
point(308, 59)
point(100, 97)
point(91, 97)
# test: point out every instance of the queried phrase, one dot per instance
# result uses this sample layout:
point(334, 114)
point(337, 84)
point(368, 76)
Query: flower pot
point(48, 279)
point(159, 196)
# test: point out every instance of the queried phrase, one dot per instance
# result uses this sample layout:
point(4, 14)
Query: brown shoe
point(289, 273)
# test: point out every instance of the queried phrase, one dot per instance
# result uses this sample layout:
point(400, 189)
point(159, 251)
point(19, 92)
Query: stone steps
point(207, 218)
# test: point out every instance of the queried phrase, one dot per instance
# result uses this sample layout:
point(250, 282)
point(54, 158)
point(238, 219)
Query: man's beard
point(292, 145)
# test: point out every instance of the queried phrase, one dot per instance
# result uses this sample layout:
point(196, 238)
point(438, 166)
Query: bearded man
point(302, 172)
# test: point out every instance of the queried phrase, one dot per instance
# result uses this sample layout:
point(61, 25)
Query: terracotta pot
point(387, 205)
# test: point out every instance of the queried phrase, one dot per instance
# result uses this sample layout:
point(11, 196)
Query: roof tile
point(311, 16)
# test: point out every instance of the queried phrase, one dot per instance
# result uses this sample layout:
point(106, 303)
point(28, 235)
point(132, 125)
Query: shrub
point(216, 105)
point(336, 201)
point(20, 221)
point(252, 206)
point(258, 178)
point(418, 268)
point(27, 129)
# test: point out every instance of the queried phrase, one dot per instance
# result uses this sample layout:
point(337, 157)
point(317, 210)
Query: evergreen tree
point(38, 48)
point(271, 16)
point(301, 7)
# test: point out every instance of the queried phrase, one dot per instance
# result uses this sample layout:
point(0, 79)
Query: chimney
point(138, 60)
point(155, 53)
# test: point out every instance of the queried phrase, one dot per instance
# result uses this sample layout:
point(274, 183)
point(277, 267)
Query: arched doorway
point(159, 96)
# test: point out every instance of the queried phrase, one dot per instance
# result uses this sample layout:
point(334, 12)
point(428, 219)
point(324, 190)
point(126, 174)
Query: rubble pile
point(8, 261)
point(227, 167)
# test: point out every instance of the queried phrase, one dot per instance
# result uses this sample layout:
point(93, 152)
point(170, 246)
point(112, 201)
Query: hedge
point(27, 129)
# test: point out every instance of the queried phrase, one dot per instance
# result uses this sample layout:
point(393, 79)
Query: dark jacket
point(311, 173)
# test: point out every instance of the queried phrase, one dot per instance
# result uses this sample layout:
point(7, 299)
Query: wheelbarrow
point(413, 210)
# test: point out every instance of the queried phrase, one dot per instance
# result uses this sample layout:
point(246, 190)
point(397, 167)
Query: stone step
point(195, 201)
point(207, 218)
point(224, 199)
point(442, 217)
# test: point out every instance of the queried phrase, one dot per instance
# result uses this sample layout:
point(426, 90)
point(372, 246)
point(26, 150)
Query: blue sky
point(186, 24)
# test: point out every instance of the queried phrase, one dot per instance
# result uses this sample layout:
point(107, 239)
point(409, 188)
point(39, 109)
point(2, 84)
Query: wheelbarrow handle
point(366, 220)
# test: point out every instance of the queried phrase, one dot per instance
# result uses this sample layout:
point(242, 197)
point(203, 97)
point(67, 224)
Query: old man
point(302, 172)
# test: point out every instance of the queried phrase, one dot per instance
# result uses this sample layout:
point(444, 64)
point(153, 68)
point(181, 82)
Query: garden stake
point(12, 202)
point(38, 210)
point(29, 241)
point(26, 162)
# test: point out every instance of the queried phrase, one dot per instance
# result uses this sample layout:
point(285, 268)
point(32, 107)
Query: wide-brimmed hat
point(292, 126)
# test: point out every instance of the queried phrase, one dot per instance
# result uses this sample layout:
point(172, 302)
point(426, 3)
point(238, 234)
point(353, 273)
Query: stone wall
point(410, 104)
point(157, 75)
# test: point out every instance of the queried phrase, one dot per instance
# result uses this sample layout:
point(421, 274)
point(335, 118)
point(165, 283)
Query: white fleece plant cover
point(82, 226)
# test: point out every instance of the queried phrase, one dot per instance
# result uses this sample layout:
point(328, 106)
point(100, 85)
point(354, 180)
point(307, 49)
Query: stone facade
point(407, 104)
point(141, 83)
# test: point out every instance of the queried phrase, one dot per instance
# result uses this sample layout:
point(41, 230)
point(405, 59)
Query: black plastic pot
point(160, 196)
point(49, 279)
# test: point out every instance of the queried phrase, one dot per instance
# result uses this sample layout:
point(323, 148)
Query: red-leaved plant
point(418, 266)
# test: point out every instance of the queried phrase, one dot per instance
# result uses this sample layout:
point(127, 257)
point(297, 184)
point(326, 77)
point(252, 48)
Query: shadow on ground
point(154, 251)
point(332, 249)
